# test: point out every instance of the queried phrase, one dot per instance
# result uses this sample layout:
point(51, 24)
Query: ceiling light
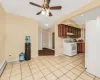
point(43, 12)
point(82, 15)
point(46, 25)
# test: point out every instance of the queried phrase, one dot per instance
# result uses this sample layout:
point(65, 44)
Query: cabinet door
point(83, 47)
point(76, 33)
point(64, 30)
point(69, 29)
point(78, 47)
point(79, 32)
point(59, 30)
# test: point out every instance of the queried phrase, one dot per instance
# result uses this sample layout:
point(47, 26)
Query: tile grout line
point(40, 70)
point(22, 73)
point(11, 70)
point(58, 69)
point(71, 71)
point(30, 70)
point(63, 66)
point(79, 75)
point(60, 60)
point(57, 63)
point(20, 70)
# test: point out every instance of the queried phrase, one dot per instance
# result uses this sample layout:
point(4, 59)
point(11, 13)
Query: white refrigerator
point(92, 38)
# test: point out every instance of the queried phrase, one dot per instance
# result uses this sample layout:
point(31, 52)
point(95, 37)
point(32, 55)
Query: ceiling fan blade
point(35, 4)
point(50, 14)
point(56, 7)
point(38, 13)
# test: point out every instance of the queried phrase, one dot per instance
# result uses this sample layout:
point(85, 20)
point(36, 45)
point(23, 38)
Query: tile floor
point(48, 68)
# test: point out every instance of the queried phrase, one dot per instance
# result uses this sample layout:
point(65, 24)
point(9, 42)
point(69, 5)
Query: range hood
point(69, 34)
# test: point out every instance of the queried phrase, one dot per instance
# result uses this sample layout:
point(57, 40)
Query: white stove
point(70, 48)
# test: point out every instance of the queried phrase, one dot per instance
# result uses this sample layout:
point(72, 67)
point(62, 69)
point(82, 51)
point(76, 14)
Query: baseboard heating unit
point(2, 66)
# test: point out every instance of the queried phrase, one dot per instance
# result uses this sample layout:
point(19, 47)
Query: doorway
point(48, 44)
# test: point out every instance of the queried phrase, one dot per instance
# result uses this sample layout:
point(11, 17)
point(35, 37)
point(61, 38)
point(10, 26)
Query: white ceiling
point(23, 8)
point(90, 15)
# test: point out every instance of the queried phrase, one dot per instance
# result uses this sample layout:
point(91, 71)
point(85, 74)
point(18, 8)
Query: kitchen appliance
point(27, 48)
point(92, 48)
point(27, 39)
point(70, 48)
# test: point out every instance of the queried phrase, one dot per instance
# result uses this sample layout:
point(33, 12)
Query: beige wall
point(82, 32)
point(52, 29)
point(58, 42)
point(2, 34)
point(17, 28)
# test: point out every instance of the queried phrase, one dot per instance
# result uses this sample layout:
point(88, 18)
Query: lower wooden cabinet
point(81, 47)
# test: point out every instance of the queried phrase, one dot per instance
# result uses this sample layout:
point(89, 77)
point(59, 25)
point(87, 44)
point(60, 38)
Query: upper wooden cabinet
point(64, 29)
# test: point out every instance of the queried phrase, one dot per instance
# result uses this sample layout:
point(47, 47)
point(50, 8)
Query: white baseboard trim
point(2, 66)
point(51, 48)
point(13, 60)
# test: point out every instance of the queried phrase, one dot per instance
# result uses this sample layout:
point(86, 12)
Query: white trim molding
point(13, 60)
point(2, 66)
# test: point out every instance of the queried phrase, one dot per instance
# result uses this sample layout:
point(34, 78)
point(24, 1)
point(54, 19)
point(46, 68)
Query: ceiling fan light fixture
point(43, 12)
point(46, 8)
point(46, 24)
point(47, 12)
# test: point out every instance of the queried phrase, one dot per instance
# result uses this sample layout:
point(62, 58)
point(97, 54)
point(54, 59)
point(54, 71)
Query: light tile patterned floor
point(48, 68)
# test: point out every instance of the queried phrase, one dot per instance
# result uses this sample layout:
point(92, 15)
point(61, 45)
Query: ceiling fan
point(46, 7)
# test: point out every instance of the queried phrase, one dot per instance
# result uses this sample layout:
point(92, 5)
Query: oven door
point(74, 47)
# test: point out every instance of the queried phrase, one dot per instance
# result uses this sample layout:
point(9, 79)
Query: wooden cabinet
point(64, 29)
point(81, 47)
point(27, 51)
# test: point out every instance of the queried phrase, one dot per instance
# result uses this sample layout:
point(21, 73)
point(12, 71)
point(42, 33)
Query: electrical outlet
point(9, 55)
